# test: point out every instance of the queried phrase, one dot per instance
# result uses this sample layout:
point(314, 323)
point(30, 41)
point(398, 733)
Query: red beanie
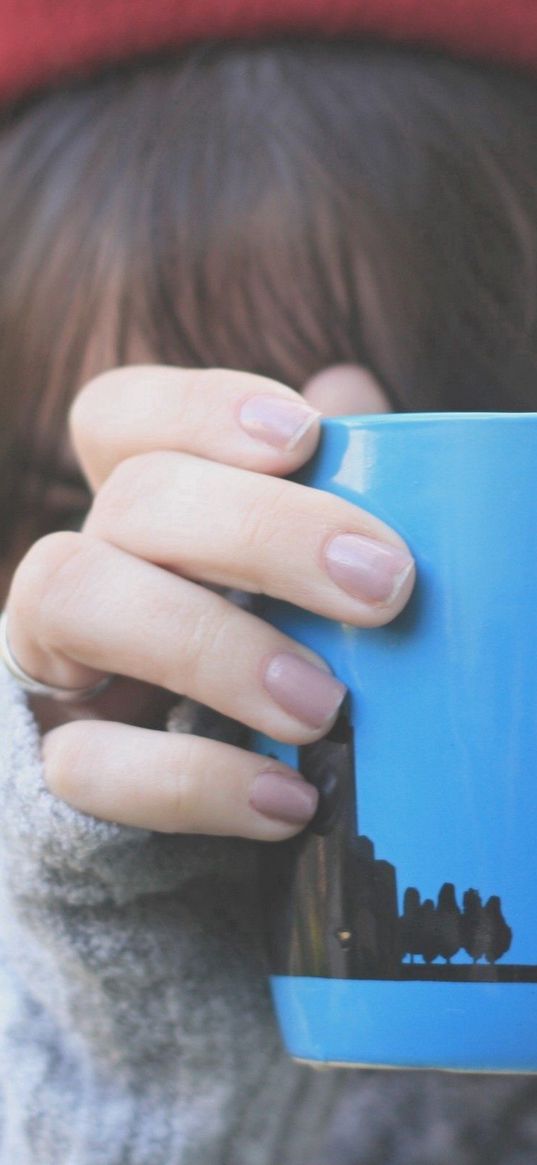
point(43, 42)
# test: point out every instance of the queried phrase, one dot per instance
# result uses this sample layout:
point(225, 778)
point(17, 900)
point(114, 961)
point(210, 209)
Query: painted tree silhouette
point(448, 922)
point(409, 924)
point(445, 929)
point(427, 929)
point(473, 925)
point(498, 934)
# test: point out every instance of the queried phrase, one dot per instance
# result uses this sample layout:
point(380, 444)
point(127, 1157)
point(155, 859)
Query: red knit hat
point(43, 42)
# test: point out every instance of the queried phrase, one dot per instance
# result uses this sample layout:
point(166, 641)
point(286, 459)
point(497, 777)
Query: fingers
point(80, 607)
point(171, 459)
point(236, 528)
point(233, 417)
point(174, 783)
point(345, 390)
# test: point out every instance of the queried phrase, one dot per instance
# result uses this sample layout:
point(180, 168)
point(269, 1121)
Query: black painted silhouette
point(498, 933)
point(444, 930)
point(428, 931)
point(409, 924)
point(333, 907)
point(473, 930)
point(448, 921)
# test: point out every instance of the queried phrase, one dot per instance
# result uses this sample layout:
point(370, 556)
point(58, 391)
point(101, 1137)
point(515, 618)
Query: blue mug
point(402, 925)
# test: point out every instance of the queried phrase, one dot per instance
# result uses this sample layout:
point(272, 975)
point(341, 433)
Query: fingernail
point(286, 799)
point(366, 568)
point(307, 692)
point(277, 422)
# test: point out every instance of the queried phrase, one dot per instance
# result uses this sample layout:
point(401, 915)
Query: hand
point(186, 467)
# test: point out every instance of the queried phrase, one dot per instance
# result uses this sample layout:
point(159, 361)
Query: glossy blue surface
point(444, 707)
point(472, 1027)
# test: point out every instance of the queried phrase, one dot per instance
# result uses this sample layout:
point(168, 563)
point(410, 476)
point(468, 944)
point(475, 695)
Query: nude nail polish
point(288, 799)
point(277, 422)
point(309, 693)
point(367, 568)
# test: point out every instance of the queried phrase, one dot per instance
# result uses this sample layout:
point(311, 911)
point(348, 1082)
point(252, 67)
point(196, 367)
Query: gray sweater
point(135, 1021)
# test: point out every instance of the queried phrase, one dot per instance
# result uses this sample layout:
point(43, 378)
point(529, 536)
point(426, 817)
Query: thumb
point(344, 390)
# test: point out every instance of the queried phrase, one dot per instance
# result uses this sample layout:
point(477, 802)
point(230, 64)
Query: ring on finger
point(36, 687)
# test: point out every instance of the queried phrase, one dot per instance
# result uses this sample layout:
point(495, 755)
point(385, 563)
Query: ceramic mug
point(402, 925)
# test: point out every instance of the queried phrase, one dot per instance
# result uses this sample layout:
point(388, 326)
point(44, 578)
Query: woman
point(355, 222)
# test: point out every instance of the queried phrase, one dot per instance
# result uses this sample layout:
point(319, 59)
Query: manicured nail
point(277, 422)
point(366, 568)
point(307, 692)
point(286, 799)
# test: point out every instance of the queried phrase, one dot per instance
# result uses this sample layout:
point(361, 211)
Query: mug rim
point(360, 419)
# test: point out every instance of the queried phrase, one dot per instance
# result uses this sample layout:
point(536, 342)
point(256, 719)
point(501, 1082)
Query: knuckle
point(33, 581)
point(53, 583)
point(129, 486)
point(268, 511)
point(213, 381)
point(203, 380)
point(180, 800)
point(201, 643)
point(90, 402)
point(62, 585)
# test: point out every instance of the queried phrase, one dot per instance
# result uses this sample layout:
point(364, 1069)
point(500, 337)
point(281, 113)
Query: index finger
point(236, 418)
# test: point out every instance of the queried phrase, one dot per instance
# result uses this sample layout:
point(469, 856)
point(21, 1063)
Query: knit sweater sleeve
point(136, 1025)
point(135, 1022)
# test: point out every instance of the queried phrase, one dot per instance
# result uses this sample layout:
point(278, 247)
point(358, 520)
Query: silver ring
point(35, 687)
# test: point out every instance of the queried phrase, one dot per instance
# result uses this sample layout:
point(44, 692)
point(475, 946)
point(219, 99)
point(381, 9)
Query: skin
point(184, 495)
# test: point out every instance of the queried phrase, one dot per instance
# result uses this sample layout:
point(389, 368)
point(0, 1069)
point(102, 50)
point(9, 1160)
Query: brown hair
point(273, 208)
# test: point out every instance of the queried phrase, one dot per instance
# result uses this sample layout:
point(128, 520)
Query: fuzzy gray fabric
point(135, 1022)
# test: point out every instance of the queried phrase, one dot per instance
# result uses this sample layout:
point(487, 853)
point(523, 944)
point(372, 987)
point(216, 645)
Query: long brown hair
point(273, 208)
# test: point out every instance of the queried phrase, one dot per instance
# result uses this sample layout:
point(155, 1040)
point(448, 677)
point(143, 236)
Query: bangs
point(274, 209)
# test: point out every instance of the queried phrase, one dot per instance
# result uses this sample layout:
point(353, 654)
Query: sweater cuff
point(55, 851)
